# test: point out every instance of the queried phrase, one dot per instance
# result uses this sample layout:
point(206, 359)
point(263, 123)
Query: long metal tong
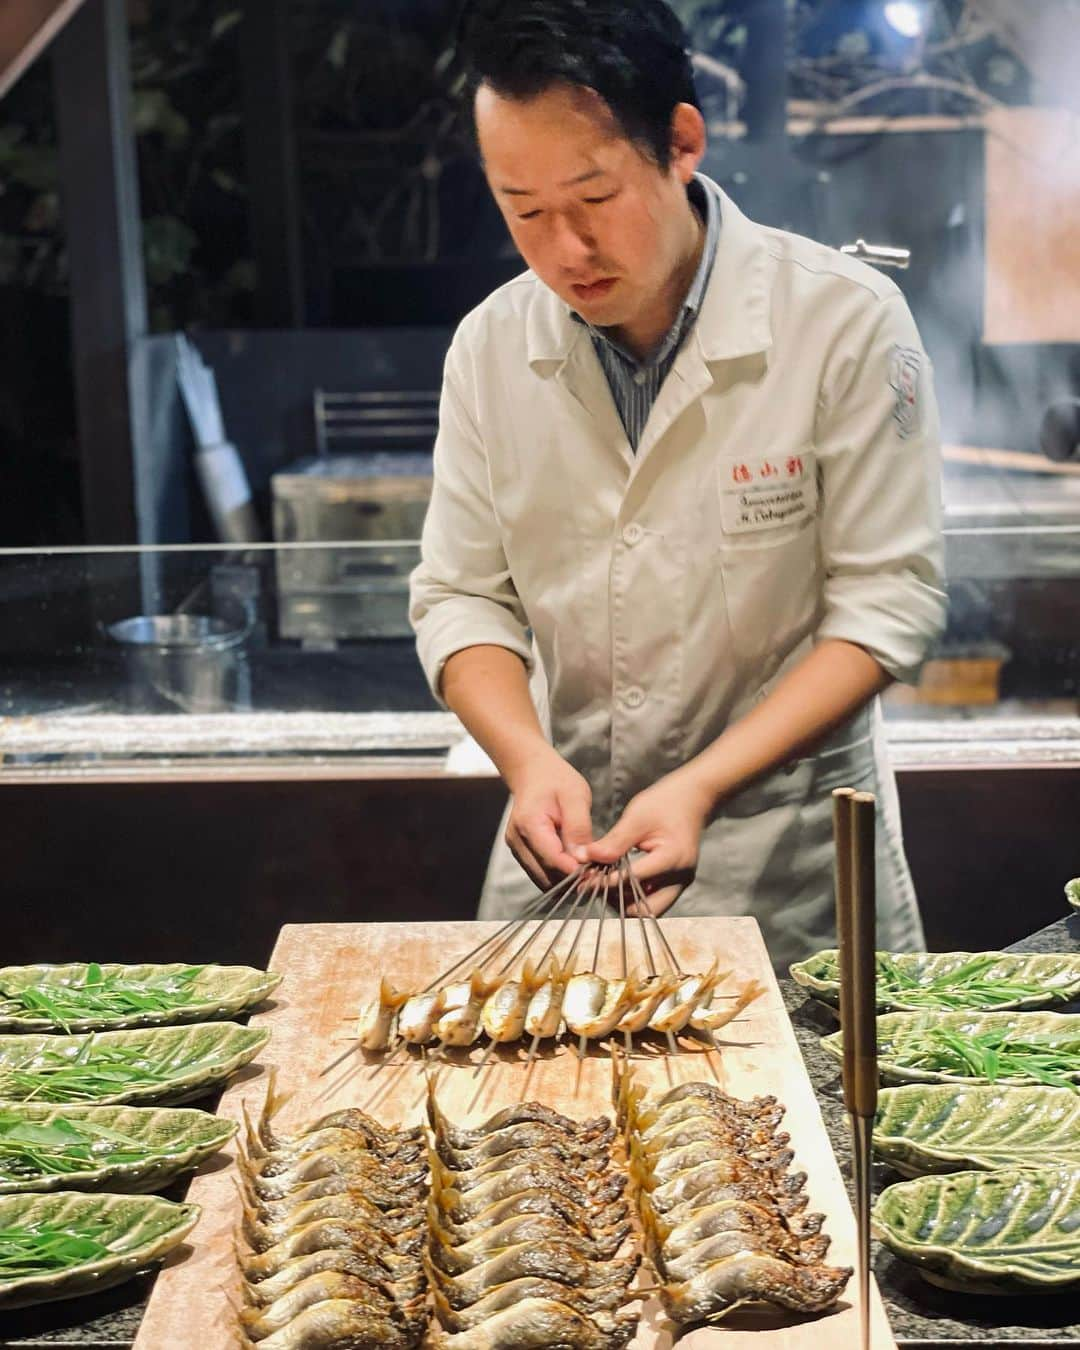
point(853, 827)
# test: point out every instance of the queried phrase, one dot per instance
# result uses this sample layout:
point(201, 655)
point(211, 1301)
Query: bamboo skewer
point(853, 822)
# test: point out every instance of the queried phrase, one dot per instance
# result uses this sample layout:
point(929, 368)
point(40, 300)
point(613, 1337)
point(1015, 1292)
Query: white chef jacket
point(786, 489)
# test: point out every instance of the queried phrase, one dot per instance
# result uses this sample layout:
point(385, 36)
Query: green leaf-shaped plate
point(932, 1127)
point(118, 1148)
point(900, 1060)
point(173, 1064)
point(216, 991)
point(1003, 1232)
point(136, 1230)
point(1072, 892)
point(1056, 978)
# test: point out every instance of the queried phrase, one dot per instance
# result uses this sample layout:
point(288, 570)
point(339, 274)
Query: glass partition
point(304, 653)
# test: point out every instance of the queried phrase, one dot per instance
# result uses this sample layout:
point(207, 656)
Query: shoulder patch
point(905, 368)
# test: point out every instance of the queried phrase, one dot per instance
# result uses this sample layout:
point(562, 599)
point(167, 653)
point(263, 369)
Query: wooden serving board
point(330, 970)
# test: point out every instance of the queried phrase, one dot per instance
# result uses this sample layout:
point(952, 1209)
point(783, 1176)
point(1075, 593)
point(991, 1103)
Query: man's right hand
point(550, 823)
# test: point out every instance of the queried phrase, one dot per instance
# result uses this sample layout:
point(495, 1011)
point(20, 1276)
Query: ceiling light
point(908, 17)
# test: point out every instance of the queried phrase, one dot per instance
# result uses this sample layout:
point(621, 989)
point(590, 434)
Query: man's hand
point(664, 822)
point(550, 823)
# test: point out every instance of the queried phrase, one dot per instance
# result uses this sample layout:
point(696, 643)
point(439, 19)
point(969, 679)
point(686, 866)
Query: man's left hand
point(664, 822)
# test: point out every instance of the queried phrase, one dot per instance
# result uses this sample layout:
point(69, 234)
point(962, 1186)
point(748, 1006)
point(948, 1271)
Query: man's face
point(594, 217)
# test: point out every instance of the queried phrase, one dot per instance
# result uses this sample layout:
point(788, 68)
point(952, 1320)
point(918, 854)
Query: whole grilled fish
point(547, 1261)
point(753, 1277)
point(457, 1258)
point(673, 1012)
point(458, 1136)
point(325, 1233)
point(262, 1236)
point(651, 993)
point(525, 1134)
point(461, 1206)
point(587, 1169)
point(536, 1201)
point(535, 1324)
point(590, 1303)
point(328, 1284)
point(392, 1222)
point(761, 1229)
point(262, 1292)
point(593, 1006)
point(342, 1323)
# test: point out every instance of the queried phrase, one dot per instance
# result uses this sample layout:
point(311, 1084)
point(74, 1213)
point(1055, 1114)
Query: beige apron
point(769, 853)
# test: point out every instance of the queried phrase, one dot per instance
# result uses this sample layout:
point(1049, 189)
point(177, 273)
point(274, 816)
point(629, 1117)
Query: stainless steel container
point(189, 663)
point(326, 594)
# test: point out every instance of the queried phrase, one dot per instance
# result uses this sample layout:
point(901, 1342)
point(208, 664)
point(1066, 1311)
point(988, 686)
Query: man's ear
point(688, 140)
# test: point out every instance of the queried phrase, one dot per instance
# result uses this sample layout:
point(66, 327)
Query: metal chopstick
point(853, 819)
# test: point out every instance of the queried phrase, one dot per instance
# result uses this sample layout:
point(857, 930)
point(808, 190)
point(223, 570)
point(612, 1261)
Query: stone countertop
point(923, 1317)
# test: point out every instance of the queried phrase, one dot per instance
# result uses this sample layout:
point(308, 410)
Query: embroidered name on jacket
point(764, 494)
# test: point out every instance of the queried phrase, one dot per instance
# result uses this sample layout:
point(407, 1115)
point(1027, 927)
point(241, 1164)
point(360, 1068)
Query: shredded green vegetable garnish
point(968, 986)
point(101, 995)
point(31, 1149)
point(95, 1071)
point(995, 1055)
point(40, 1248)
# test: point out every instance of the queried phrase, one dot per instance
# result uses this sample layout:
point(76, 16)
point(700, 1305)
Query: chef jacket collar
point(734, 316)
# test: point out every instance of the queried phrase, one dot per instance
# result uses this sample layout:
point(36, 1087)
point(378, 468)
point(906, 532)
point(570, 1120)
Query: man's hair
point(633, 53)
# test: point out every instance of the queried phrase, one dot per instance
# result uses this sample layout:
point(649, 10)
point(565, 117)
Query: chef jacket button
point(632, 534)
point(640, 377)
point(634, 697)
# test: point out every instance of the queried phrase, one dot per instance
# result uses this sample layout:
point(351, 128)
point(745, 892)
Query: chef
point(685, 521)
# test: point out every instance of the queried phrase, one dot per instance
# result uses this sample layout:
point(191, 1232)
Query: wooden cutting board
point(330, 970)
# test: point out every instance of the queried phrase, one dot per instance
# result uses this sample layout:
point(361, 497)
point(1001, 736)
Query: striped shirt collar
point(707, 205)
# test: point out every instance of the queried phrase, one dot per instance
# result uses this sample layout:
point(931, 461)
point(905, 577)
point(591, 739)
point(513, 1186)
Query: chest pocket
point(767, 551)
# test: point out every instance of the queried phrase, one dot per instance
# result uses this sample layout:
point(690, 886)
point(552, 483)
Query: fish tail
point(532, 977)
point(390, 997)
point(272, 1104)
point(255, 1146)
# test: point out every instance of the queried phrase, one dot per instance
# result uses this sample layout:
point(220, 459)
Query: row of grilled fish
point(335, 1217)
point(527, 1219)
point(540, 1003)
point(723, 1215)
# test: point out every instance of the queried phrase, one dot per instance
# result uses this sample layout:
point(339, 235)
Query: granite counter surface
point(923, 1317)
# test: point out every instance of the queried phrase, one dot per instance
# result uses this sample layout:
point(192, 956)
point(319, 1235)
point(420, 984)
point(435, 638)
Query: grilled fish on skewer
point(543, 1018)
point(585, 1167)
point(377, 1019)
point(651, 993)
point(593, 1007)
point(754, 1276)
point(670, 1162)
point(718, 1179)
point(673, 1012)
point(711, 1018)
point(534, 1324)
point(461, 1025)
point(416, 1021)
point(503, 1017)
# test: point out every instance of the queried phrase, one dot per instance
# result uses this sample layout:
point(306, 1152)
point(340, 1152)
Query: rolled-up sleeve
point(879, 460)
point(461, 594)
